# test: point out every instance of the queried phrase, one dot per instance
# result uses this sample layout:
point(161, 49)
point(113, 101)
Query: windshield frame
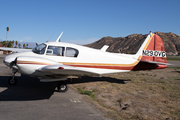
point(40, 49)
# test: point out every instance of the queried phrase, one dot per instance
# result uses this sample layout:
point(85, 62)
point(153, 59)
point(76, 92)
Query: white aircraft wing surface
point(15, 49)
point(65, 70)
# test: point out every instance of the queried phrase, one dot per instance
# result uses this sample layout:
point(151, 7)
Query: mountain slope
point(131, 43)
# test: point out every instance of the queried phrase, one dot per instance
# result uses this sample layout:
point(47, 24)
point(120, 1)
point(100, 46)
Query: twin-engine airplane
point(56, 61)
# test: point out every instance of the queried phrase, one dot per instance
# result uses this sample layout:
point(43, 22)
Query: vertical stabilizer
point(152, 52)
point(144, 45)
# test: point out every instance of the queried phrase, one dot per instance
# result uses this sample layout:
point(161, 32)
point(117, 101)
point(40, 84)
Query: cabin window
point(40, 49)
point(71, 52)
point(55, 50)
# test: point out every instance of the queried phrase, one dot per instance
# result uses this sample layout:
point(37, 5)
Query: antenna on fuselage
point(50, 37)
point(58, 40)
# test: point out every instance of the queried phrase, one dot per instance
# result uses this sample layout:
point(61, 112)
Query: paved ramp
point(33, 100)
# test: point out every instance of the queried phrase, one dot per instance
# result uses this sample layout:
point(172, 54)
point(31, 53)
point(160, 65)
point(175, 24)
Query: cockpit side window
point(40, 49)
point(71, 52)
point(55, 50)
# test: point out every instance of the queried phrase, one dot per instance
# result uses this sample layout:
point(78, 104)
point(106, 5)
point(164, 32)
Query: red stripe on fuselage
point(88, 65)
point(33, 63)
point(104, 67)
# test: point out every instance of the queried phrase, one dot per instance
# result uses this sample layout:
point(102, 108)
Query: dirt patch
point(135, 95)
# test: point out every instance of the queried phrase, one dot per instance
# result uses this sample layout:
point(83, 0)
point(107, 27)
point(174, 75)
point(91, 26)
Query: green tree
point(5, 43)
point(26, 45)
point(16, 43)
point(12, 44)
point(9, 43)
point(19, 45)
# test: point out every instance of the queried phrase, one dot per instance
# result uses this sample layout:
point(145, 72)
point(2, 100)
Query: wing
point(15, 49)
point(65, 70)
point(62, 72)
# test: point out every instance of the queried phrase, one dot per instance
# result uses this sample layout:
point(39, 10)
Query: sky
point(85, 21)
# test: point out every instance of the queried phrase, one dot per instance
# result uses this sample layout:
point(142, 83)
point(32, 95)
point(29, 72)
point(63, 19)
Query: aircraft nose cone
point(4, 61)
point(8, 60)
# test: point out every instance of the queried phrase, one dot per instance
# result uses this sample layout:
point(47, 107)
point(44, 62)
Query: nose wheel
point(12, 80)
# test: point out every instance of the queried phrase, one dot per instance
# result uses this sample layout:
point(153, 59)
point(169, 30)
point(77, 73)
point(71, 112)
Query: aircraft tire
point(12, 81)
point(62, 87)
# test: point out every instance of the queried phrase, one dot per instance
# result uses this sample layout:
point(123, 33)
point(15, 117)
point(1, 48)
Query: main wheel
point(62, 87)
point(12, 80)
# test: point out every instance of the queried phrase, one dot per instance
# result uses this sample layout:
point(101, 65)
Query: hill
point(131, 43)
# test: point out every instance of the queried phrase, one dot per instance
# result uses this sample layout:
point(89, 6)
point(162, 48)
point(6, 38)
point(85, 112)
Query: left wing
point(61, 69)
point(15, 49)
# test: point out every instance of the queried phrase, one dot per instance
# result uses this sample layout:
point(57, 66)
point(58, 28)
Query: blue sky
point(85, 21)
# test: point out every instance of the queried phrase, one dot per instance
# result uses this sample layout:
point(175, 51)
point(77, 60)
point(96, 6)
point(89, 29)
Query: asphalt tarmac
point(33, 100)
point(173, 63)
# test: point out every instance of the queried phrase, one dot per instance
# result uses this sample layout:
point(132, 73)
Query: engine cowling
point(30, 65)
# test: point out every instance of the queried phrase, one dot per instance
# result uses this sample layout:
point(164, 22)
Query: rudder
point(152, 52)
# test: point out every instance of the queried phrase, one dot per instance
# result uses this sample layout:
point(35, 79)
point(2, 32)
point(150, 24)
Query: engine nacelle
point(30, 65)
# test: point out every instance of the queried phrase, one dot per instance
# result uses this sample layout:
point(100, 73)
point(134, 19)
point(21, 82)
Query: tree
point(9, 43)
point(12, 44)
point(16, 43)
point(19, 45)
point(7, 32)
point(24, 46)
point(5, 43)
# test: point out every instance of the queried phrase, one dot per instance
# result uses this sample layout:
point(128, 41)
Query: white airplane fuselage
point(88, 59)
point(57, 61)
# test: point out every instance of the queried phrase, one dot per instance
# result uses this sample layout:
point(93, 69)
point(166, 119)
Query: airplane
point(57, 61)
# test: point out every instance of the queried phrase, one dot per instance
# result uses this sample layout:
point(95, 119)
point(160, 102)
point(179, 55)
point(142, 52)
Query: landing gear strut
point(62, 86)
point(12, 80)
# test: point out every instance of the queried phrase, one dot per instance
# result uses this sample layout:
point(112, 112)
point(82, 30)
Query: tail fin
point(152, 51)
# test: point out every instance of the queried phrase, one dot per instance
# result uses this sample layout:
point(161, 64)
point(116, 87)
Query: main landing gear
point(62, 86)
point(12, 80)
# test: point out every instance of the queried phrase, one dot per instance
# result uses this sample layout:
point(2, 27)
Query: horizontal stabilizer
point(104, 48)
point(154, 62)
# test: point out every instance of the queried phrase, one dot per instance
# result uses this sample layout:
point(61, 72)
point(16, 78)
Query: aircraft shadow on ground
point(29, 88)
point(86, 79)
point(177, 71)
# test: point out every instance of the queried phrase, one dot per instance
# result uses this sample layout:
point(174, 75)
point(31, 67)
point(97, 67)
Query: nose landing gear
point(12, 80)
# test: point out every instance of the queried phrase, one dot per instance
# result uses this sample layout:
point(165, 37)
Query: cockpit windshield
point(40, 49)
